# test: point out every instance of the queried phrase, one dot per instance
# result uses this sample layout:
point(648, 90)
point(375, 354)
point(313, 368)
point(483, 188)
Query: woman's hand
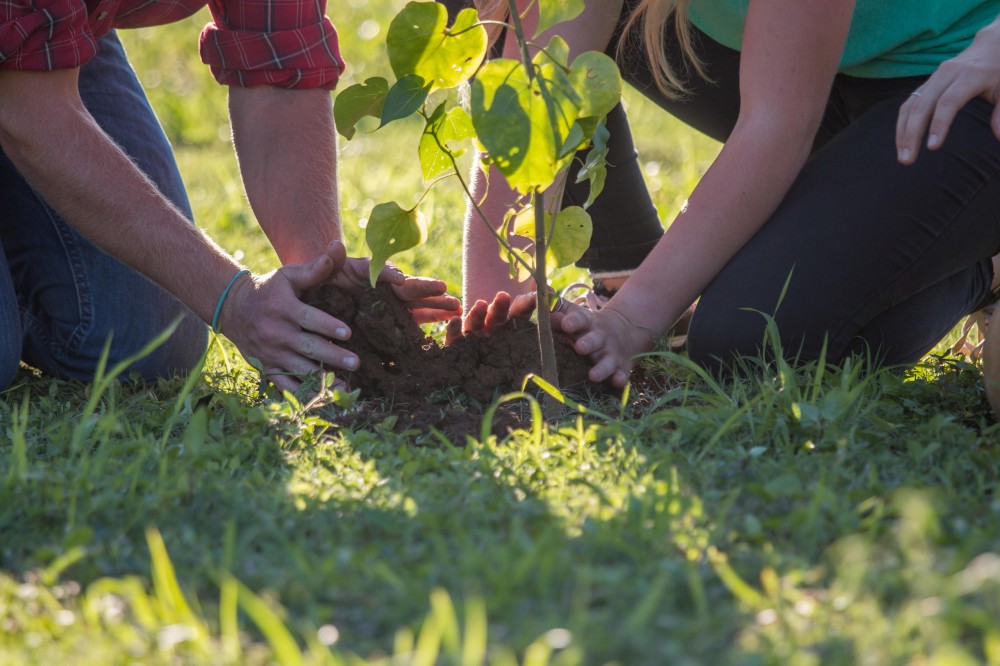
point(426, 298)
point(607, 338)
point(931, 109)
point(486, 318)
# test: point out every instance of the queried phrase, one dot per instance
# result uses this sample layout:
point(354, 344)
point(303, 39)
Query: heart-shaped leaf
point(391, 230)
point(570, 238)
point(420, 42)
point(404, 98)
point(552, 12)
point(568, 231)
point(357, 101)
point(524, 123)
point(442, 128)
point(596, 78)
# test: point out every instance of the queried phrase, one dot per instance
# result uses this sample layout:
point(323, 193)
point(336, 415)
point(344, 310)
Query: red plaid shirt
point(286, 43)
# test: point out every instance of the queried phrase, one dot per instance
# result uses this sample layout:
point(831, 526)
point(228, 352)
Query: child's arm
point(791, 50)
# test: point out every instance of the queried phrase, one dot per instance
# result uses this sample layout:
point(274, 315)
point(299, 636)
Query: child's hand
point(607, 337)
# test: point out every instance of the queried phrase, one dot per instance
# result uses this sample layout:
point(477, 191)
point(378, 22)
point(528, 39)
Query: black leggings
point(877, 257)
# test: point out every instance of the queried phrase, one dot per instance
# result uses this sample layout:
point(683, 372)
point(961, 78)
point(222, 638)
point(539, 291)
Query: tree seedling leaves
point(573, 141)
point(552, 12)
point(557, 52)
point(358, 101)
point(570, 236)
point(523, 124)
point(404, 98)
point(524, 223)
point(596, 78)
point(568, 231)
point(595, 168)
point(442, 129)
point(420, 42)
point(391, 230)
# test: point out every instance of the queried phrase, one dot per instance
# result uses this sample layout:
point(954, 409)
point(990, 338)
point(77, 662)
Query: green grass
point(808, 516)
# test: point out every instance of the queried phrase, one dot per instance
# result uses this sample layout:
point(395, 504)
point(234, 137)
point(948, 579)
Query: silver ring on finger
point(915, 93)
point(560, 304)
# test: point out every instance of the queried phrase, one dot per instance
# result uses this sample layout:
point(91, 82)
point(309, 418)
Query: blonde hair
point(646, 24)
point(649, 19)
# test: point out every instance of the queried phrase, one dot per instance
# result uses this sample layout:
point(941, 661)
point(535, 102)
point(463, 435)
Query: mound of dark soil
point(402, 365)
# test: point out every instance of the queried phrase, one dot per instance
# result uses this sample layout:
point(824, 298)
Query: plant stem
point(475, 205)
point(546, 344)
point(522, 41)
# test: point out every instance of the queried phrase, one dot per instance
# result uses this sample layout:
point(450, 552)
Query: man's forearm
point(59, 148)
point(287, 153)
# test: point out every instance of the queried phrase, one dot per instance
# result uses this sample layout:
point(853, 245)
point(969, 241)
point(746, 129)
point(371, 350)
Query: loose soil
point(403, 366)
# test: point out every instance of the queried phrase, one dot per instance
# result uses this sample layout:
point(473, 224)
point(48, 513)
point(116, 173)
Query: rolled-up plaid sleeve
point(284, 43)
point(42, 35)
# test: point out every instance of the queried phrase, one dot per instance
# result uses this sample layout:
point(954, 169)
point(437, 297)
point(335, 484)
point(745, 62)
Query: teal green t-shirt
point(888, 38)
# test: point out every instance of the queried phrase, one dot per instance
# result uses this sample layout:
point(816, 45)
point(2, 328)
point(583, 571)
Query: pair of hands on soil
point(266, 319)
point(606, 337)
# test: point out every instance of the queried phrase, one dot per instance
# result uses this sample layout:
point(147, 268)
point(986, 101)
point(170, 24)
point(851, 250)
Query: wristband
point(222, 299)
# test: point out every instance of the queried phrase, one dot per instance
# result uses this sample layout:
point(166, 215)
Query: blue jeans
point(61, 298)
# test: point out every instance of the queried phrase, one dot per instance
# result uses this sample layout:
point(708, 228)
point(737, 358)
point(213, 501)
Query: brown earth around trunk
point(404, 367)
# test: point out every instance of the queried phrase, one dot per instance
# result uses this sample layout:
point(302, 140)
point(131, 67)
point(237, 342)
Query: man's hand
point(268, 322)
point(264, 317)
point(932, 108)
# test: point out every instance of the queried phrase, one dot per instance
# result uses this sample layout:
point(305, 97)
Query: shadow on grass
point(701, 531)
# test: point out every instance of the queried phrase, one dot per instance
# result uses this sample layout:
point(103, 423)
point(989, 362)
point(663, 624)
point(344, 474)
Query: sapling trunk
point(546, 343)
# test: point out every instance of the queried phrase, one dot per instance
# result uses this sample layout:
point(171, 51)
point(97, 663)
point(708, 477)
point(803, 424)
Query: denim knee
point(178, 354)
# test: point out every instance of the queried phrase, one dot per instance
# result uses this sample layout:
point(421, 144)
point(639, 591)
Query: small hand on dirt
point(484, 319)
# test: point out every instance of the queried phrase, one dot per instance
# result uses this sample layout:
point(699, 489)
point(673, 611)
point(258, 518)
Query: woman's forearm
point(731, 203)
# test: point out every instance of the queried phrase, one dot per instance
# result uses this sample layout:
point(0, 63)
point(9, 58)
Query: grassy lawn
point(809, 516)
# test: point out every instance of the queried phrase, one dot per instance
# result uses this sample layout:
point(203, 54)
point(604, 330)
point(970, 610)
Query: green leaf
point(570, 238)
point(568, 232)
point(574, 141)
point(358, 101)
point(391, 230)
point(523, 124)
point(523, 223)
point(595, 168)
point(551, 12)
point(596, 78)
point(443, 127)
point(557, 52)
point(420, 42)
point(404, 98)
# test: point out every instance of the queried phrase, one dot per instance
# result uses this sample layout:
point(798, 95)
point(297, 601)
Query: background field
point(814, 515)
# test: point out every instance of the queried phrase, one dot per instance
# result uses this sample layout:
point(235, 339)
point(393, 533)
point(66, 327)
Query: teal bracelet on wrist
point(222, 299)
